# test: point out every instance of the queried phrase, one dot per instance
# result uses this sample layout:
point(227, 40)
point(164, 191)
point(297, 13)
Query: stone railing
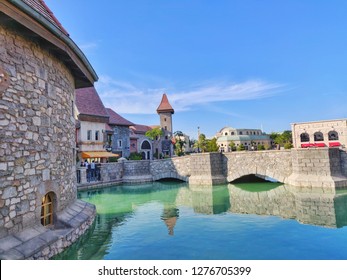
point(318, 167)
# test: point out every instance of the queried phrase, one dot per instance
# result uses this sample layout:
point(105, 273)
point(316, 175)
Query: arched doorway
point(146, 149)
point(47, 209)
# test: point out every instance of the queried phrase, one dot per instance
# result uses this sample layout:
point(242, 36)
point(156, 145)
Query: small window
point(240, 133)
point(89, 135)
point(97, 133)
point(47, 210)
point(226, 133)
point(333, 135)
point(304, 137)
point(120, 143)
point(318, 136)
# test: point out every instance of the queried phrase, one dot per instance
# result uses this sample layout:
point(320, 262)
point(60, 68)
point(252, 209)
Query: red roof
point(165, 106)
point(139, 128)
point(88, 102)
point(116, 119)
point(41, 7)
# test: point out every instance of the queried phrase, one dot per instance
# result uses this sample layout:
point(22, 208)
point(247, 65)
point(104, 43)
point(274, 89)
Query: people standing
point(92, 167)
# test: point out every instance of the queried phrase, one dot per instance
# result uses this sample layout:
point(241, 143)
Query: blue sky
point(240, 63)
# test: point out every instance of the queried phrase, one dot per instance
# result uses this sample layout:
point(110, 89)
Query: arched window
point(304, 137)
point(47, 210)
point(318, 136)
point(333, 135)
point(226, 133)
point(145, 145)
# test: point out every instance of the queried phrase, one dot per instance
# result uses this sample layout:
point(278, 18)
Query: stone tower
point(165, 112)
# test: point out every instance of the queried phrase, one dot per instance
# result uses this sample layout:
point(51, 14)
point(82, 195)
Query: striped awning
point(98, 154)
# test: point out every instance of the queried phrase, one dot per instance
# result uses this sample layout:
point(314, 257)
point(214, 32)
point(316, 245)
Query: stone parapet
point(317, 167)
point(206, 169)
point(306, 168)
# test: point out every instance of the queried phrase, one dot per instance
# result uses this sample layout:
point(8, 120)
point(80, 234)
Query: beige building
point(249, 138)
point(329, 133)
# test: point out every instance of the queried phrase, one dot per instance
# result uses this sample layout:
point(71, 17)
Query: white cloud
point(127, 98)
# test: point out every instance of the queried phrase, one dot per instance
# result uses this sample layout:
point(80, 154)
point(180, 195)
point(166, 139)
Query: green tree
point(282, 139)
point(211, 145)
point(200, 144)
point(154, 133)
point(232, 146)
point(260, 147)
point(241, 147)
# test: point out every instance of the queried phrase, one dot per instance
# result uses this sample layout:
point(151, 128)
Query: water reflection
point(167, 203)
point(315, 206)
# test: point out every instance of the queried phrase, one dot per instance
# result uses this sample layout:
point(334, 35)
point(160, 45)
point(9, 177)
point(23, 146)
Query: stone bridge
point(316, 167)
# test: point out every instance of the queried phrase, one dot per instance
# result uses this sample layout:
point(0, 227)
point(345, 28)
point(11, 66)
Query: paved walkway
point(31, 241)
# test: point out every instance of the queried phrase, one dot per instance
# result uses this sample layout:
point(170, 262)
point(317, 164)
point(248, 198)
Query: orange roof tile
point(165, 106)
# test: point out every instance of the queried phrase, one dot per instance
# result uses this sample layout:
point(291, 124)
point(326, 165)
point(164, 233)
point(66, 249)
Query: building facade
point(327, 133)
point(92, 123)
point(120, 134)
point(40, 68)
point(249, 138)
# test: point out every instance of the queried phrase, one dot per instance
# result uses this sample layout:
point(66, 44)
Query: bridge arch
point(232, 179)
point(170, 175)
point(273, 164)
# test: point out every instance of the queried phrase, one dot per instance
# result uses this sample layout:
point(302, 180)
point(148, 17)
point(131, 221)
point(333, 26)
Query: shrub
point(288, 146)
point(135, 156)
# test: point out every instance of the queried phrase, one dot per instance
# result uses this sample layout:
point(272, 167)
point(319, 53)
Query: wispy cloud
point(88, 47)
point(127, 98)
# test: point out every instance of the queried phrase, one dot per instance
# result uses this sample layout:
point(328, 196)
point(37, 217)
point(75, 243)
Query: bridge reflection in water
point(116, 206)
point(310, 206)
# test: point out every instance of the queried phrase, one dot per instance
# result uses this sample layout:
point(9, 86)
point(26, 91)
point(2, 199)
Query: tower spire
point(165, 106)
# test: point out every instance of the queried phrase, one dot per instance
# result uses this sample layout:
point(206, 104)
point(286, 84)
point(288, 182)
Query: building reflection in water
point(321, 207)
point(170, 216)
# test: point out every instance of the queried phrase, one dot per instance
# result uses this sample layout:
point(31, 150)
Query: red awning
point(334, 144)
point(319, 145)
point(308, 145)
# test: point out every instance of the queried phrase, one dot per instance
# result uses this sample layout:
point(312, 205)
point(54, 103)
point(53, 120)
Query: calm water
point(244, 221)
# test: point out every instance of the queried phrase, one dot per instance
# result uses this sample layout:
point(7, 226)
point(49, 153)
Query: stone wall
point(178, 168)
point(320, 167)
point(136, 171)
point(121, 133)
point(36, 132)
point(307, 168)
point(206, 168)
point(275, 164)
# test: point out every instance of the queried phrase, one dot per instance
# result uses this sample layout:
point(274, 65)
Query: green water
point(244, 221)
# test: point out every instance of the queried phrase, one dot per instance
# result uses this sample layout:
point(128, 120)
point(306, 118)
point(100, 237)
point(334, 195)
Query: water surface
point(172, 221)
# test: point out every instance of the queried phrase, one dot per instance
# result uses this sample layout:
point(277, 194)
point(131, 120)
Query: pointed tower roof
point(165, 106)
